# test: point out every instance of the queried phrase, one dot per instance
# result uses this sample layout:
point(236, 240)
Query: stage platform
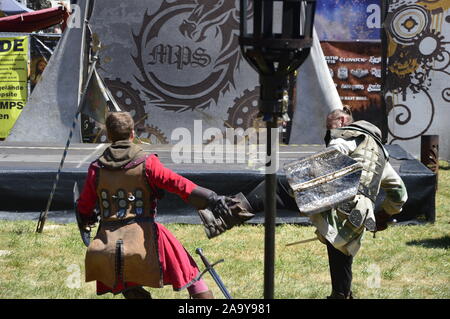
point(27, 173)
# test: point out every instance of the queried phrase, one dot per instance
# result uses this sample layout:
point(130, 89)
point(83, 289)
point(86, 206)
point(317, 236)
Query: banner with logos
point(356, 70)
point(13, 80)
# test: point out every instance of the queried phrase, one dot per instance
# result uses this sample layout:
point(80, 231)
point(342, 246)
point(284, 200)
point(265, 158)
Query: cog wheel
point(129, 100)
point(407, 22)
point(244, 113)
point(153, 135)
point(430, 45)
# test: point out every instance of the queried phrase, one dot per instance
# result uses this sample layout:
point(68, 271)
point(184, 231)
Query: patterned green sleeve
point(396, 194)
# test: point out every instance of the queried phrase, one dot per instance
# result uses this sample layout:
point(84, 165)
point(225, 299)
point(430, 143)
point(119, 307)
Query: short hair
point(346, 111)
point(119, 126)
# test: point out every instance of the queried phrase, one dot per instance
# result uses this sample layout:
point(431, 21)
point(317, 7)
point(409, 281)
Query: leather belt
point(128, 221)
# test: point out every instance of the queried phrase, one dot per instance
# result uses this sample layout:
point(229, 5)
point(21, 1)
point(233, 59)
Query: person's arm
point(166, 179)
point(88, 197)
point(346, 147)
point(396, 194)
point(218, 213)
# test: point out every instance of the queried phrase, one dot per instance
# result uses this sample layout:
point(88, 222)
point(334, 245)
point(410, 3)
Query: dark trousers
point(340, 264)
point(340, 270)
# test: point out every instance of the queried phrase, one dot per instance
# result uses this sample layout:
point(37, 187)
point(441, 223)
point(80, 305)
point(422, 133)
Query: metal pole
point(270, 213)
point(384, 48)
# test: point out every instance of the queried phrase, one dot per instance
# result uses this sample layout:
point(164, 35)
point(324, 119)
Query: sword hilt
point(211, 267)
point(205, 260)
point(213, 273)
point(199, 252)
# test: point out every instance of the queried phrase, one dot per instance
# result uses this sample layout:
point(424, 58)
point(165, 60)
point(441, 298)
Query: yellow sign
point(13, 80)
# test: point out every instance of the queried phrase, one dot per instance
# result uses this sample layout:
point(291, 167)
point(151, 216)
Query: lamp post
point(275, 39)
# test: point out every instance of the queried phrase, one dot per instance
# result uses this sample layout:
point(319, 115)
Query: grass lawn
point(401, 262)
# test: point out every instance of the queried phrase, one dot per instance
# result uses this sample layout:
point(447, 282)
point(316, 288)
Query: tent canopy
point(34, 21)
point(12, 7)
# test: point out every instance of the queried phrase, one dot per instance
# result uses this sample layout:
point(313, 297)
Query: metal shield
point(84, 232)
point(323, 180)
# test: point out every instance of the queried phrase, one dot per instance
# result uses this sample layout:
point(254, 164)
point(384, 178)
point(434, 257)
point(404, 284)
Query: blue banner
point(348, 20)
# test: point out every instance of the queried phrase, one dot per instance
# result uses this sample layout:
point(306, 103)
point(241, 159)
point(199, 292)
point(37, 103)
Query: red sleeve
point(88, 197)
point(166, 179)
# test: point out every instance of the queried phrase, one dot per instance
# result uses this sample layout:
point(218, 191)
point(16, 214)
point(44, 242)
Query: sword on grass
point(212, 271)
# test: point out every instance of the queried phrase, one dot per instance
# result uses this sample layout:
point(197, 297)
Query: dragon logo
point(187, 52)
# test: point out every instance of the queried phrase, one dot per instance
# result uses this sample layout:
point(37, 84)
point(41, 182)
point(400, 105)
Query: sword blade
point(219, 283)
point(302, 241)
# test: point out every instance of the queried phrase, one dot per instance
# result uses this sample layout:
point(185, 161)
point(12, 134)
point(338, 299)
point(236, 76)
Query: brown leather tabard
point(125, 247)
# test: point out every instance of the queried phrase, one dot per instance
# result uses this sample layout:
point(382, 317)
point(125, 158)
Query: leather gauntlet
point(220, 213)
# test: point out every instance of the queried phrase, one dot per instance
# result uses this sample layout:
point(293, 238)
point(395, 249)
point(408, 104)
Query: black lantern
point(275, 39)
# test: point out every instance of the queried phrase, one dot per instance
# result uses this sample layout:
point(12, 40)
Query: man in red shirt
point(130, 249)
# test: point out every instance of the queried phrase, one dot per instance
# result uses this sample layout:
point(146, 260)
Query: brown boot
point(203, 295)
point(136, 293)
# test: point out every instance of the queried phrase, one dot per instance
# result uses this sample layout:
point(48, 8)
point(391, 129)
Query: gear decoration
point(244, 113)
point(411, 67)
point(415, 50)
point(431, 46)
point(153, 135)
point(408, 22)
point(129, 100)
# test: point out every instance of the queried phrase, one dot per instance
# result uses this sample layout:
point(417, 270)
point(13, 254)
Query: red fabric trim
point(34, 21)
